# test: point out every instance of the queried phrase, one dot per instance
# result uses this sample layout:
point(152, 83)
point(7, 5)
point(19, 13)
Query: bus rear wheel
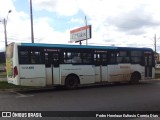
point(135, 77)
point(71, 82)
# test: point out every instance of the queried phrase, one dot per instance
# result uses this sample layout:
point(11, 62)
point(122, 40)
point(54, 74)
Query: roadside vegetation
point(5, 85)
point(2, 71)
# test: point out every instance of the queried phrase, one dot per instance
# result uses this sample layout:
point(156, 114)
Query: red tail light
point(15, 71)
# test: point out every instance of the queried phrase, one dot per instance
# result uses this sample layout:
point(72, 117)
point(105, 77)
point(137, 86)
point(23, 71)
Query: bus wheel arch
point(72, 81)
point(135, 77)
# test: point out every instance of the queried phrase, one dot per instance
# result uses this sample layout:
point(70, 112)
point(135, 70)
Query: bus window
point(35, 57)
point(112, 57)
point(100, 58)
point(55, 57)
point(67, 57)
point(76, 58)
point(97, 59)
point(123, 57)
point(136, 57)
point(24, 57)
point(86, 58)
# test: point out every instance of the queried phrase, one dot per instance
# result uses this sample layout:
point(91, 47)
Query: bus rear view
point(22, 72)
point(11, 64)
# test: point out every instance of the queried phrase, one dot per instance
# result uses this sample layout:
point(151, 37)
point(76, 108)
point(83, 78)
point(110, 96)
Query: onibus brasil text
point(23, 114)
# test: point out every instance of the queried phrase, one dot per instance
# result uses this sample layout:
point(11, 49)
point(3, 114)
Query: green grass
point(6, 85)
point(3, 74)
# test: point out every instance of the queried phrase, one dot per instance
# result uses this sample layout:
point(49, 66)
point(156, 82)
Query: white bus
point(72, 65)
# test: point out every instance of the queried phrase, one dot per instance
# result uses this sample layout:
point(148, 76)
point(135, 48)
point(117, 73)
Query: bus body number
point(28, 67)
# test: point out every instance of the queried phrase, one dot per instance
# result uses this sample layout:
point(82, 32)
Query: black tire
point(135, 77)
point(71, 82)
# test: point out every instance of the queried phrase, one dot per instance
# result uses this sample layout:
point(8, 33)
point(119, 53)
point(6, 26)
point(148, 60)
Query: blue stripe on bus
point(135, 48)
point(67, 46)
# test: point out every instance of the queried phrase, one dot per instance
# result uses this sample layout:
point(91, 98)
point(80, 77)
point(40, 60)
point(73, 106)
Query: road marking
point(20, 94)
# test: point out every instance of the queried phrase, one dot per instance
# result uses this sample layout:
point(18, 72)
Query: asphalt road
point(123, 97)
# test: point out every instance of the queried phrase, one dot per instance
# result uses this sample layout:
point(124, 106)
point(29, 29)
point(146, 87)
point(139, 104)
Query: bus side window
point(36, 57)
point(97, 59)
point(67, 57)
point(123, 57)
point(136, 57)
point(112, 57)
point(87, 58)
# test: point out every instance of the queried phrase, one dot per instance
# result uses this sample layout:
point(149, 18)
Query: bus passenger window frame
point(136, 57)
point(123, 57)
point(112, 57)
point(24, 59)
point(34, 55)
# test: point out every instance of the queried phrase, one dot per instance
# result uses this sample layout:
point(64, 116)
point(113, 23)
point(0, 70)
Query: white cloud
point(76, 20)
point(114, 22)
point(45, 33)
point(5, 6)
point(61, 7)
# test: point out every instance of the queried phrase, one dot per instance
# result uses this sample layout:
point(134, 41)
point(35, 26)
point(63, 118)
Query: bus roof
point(82, 46)
point(67, 46)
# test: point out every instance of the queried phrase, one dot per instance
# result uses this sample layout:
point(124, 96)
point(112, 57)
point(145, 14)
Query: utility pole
point(4, 21)
point(86, 31)
point(155, 43)
point(31, 17)
point(5, 33)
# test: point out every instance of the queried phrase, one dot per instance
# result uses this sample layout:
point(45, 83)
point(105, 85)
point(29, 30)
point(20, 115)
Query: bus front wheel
point(71, 82)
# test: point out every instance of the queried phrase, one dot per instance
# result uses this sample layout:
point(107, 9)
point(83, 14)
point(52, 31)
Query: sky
point(131, 23)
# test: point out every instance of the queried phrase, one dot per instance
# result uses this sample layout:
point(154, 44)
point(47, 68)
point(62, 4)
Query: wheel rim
point(71, 82)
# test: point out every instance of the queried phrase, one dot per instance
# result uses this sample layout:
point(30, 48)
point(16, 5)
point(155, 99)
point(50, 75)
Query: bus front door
point(148, 64)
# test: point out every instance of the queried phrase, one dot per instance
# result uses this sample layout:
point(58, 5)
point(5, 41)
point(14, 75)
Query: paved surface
point(142, 97)
point(3, 79)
